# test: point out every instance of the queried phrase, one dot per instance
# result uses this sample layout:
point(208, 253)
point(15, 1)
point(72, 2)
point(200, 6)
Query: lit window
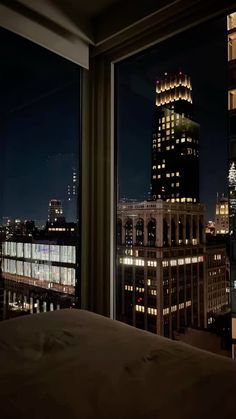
point(154, 177)
point(177, 185)
point(177, 141)
point(165, 263)
point(172, 174)
point(177, 174)
point(168, 148)
point(173, 262)
point(166, 311)
point(163, 166)
point(182, 140)
point(167, 174)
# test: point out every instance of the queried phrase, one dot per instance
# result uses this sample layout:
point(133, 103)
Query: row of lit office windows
point(137, 262)
point(44, 272)
point(182, 261)
point(153, 311)
point(46, 252)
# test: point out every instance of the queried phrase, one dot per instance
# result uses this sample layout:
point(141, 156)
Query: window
point(40, 181)
point(181, 117)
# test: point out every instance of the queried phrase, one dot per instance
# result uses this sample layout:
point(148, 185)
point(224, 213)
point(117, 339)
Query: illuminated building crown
point(173, 88)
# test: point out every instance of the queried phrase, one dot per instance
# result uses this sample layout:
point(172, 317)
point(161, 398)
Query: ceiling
point(94, 20)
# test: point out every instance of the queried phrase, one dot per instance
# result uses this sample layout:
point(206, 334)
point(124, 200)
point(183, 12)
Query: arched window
point(201, 231)
point(165, 233)
point(129, 233)
point(173, 232)
point(187, 229)
point(180, 231)
point(140, 232)
point(194, 229)
point(151, 232)
point(119, 232)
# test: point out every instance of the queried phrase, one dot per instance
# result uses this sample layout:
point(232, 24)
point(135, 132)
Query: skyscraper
point(222, 216)
point(71, 198)
point(175, 158)
point(55, 211)
point(232, 167)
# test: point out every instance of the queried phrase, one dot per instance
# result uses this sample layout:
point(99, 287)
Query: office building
point(45, 264)
point(231, 27)
point(168, 276)
point(175, 141)
point(217, 284)
point(161, 251)
point(71, 198)
point(222, 216)
point(55, 211)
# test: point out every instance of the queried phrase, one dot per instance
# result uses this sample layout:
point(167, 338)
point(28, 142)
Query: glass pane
point(173, 215)
point(39, 158)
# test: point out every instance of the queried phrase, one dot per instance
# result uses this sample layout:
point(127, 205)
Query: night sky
point(201, 53)
point(39, 117)
point(39, 127)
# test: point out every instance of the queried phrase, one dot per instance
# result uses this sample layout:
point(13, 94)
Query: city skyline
point(39, 123)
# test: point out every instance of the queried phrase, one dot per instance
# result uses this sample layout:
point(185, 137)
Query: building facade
point(55, 211)
point(43, 264)
point(175, 142)
point(71, 198)
point(222, 216)
point(160, 278)
point(168, 276)
point(231, 22)
point(216, 281)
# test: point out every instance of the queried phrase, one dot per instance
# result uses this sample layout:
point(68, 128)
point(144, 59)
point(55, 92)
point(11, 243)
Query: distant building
point(217, 286)
point(44, 264)
point(55, 211)
point(60, 229)
point(175, 142)
point(222, 216)
point(71, 198)
point(210, 228)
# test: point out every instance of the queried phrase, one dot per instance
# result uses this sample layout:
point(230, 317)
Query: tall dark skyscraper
point(232, 166)
point(175, 143)
point(71, 204)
